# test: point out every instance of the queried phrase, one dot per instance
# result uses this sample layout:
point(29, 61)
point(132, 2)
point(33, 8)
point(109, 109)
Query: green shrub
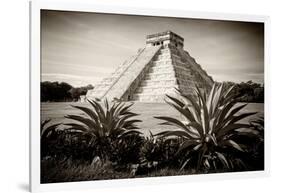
point(105, 126)
point(209, 130)
point(63, 144)
point(157, 153)
point(127, 151)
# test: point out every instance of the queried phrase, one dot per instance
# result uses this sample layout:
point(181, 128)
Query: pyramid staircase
point(155, 71)
point(161, 78)
point(124, 77)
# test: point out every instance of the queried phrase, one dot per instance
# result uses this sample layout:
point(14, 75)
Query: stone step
point(150, 100)
point(133, 74)
point(167, 56)
point(161, 67)
point(162, 60)
point(173, 67)
point(160, 63)
point(168, 64)
point(154, 90)
point(102, 87)
point(162, 83)
point(167, 61)
point(121, 68)
point(150, 97)
point(161, 70)
point(159, 76)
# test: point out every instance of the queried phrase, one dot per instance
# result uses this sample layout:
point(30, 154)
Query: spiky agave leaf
point(43, 124)
point(105, 123)
point(210, 126)
point(46, 131)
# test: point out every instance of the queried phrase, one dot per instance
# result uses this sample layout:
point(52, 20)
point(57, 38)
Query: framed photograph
point(123, 96)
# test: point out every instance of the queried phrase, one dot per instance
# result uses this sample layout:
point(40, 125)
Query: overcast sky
point(82, 48)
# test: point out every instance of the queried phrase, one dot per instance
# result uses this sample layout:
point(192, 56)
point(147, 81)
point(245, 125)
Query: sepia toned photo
point(129, 96)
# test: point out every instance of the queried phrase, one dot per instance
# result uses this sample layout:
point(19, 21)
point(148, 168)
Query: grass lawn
point(57, 110)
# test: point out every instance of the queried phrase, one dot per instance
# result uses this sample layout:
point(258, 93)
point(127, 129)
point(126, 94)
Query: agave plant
point(104, 125)
point(49, 136)
point(47, 131)
point(209, 129)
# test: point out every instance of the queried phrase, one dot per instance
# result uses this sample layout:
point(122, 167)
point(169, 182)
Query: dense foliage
point(104, 141)
point(61, 92)
point(211, 130)
point(247, 91)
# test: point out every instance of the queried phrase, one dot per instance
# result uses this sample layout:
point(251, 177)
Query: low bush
point(63, 144)
point(158, 153)
point(127, 151)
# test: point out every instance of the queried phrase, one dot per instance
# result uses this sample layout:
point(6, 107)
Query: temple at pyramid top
point(160, 68)
point(165, 38)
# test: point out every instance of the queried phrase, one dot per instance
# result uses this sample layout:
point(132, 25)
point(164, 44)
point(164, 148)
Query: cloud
point(74, 80)
point(93, 45)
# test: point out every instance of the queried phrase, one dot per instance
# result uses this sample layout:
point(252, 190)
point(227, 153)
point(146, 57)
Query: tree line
point(62, 91)
point(249, 91)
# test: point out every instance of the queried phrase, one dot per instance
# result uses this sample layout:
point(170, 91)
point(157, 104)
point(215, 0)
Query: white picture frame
point(35, 8)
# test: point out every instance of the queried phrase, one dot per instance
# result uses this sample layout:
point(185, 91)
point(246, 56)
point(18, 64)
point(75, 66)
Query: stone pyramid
point(154, 71)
